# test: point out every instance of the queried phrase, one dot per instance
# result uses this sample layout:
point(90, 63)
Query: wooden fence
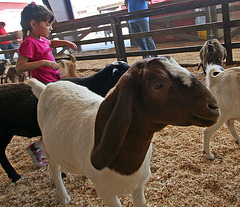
point(217, 13)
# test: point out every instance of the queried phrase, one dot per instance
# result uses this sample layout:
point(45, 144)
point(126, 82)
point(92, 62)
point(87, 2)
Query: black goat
point(18, 107)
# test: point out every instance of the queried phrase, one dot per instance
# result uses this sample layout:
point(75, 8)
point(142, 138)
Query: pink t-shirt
point(36, 50)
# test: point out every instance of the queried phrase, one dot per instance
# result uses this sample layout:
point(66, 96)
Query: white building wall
point(12, 18)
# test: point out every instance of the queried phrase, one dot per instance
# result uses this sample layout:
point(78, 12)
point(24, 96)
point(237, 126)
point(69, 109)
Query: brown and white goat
point(225, 87)
point(4, 65)
point(68, 68)
point(212, 52)
point(109, 140)
point(14, 76)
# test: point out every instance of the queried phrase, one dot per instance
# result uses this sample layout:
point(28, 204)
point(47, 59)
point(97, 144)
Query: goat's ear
point(114, 71)
point(225, 53)
point(201, 53)
point(112, 123)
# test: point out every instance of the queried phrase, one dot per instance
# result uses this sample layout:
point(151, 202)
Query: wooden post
point(227, 31)
point(213, 14)
point(118, 39)
point(206, 9)
point(11, 36)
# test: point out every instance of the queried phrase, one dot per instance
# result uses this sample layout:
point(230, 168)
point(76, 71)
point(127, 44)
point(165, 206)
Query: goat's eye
point(158, 86)
point(215, 73)
point(114, 71)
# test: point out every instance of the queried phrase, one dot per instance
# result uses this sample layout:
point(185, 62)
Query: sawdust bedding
point(181, 175)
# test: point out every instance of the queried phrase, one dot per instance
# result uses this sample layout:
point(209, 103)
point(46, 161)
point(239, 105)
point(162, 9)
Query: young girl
point(35, 55)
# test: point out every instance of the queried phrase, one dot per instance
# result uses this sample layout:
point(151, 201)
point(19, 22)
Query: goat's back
point(225, 87)
point(18, 103)
point(68, 111)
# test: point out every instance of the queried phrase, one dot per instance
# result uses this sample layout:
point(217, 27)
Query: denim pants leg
point(144, 25)
point(6, 47)
point(10, 55)
point(134, 28)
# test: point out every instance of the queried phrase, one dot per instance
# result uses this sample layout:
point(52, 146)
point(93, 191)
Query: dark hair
point(34, 12)
point(2, 24)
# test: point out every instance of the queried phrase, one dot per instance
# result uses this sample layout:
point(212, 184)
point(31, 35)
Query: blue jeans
point(146, 43)
point(7, 47)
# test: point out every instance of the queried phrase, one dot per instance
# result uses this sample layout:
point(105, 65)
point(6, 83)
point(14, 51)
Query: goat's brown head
point(150, 95)
point(68, 68)
point(213, 52)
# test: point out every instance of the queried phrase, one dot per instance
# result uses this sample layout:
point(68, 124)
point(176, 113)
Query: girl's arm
point(23, 64)
point(58, 43)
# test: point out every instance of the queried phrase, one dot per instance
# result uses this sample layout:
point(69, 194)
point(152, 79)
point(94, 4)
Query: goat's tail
point(37, 86)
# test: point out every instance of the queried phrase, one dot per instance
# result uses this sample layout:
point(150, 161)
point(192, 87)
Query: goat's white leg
point(61, 190)
point(230, 125)
point(207, 133)
point(139, 197)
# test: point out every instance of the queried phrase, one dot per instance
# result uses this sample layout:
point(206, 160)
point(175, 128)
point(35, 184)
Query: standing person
point(107, 33)
point(35, 55)
point(140, 25)
point(7, 44)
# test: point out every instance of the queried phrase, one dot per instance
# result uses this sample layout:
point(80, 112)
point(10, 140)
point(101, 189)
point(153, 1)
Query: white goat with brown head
point(109, 140)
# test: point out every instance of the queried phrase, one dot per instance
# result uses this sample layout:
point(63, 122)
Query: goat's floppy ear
point(112, 122)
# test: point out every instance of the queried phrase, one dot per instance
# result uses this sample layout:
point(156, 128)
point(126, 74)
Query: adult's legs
point(10, 55)
point(144, 27)
point(4, 47)
point(7, 47)
point(134, 28)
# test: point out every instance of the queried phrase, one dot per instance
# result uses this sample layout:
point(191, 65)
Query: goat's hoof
point(63, 175)
point(15, 178)
point(66, 200)
point(209, 156)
